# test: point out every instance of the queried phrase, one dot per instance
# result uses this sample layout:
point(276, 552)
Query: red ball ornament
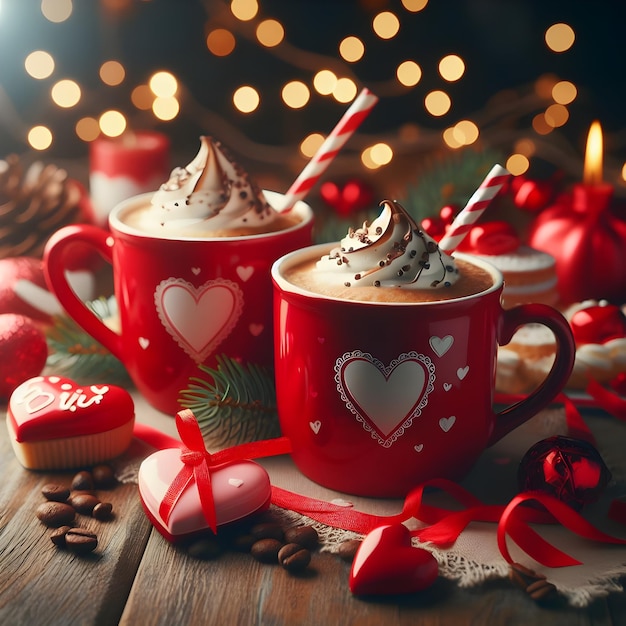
point(598, 324)
point(348, 198)
point(23, 351)
point(588, 243)
point(490, 238)
point(569, 469)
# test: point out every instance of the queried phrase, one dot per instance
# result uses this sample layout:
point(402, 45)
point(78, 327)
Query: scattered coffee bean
point(243, 543)
point(534, 584)
point(55, 514)
point(103, 476)
point(347, 549)
point(55, 493)
point(267, 530)
point(102, 511)
point(83, 481)
point(293, 557)
point(83, 503)
point(80, 541)
point(266, 550)
point(306, 536)
point(205, 549)
point(58, 535)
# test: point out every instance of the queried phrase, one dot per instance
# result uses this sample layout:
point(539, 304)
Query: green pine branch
point(233, 403)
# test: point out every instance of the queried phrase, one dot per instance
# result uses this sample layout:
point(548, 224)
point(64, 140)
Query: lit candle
point(125, 166)
point(592, 195)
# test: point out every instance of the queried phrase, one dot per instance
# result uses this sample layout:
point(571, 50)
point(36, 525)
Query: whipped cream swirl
point(392, 251)
point(213, 193)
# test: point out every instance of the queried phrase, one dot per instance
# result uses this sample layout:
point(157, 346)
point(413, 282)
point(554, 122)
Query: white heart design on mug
point(198, 318)
point(195, 270)
point(244, 272)
point(441, 345)
point(385, 399)
point(446, 423)
point(419, 447)
point(315, 426)
point(447, 386)
point(144, 342)
point(462, 372)
point(255, 329)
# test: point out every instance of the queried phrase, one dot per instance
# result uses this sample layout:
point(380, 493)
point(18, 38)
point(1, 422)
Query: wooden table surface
point(136, 577)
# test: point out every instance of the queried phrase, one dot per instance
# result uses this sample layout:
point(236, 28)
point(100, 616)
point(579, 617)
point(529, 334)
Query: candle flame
point(592, 172)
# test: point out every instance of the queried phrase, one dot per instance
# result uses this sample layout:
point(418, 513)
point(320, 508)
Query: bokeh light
point(437, 103)
point(556, 115)
point(386, 25)
point(220, 42)
point(112, 73)
point(112, 123)
point(165, 108)
point(351, 49)
point(40, 137)
point(414, 5)
point(517, 164)
point(142, 97)
point(56, 10)
point(345, 90)
point(163, 84)
point(564, 92)
point(295, 94)
point(87, 128)
point(560, 37)
point(270, 33)
point(377, 155)
point(244, 10)
point(311, 144)
point(65, 93)
point(540, 126)
point(451, 67)
point(39, 64)
point(465, 132)
point(409, 73)
point(325, 82)
point(246, 99)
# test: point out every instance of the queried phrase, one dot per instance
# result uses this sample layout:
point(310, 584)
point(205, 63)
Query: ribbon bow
point(198, 463)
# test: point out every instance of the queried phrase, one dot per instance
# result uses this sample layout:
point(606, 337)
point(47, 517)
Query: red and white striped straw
point(351, 120)
point(474, 208)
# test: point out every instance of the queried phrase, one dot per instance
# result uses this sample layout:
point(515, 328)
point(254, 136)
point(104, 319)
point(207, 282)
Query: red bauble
point(598, 324)
point(588, 243)
point(23, 351)
point(571, 470)
point(491, 238)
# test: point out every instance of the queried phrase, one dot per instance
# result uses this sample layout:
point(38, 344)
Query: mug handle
point(55, 265)
point(513, 416)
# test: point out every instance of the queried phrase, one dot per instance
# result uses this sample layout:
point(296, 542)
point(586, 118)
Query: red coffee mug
point(181, 301)
point(377, 398)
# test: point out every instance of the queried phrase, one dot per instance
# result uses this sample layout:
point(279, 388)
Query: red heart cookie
point(56, 423)
point(387, 563)
point(239, 489)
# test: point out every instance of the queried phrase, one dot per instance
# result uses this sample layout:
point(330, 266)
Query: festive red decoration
point(531, 195)
point(492, 238)
point(588, 242)
point(23, 351)
point(387, 563)
point(353, 196)
point(569, 469)
point(598, 324)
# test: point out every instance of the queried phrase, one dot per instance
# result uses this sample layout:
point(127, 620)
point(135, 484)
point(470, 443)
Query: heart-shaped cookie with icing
point(386, 563)
point(55, 423)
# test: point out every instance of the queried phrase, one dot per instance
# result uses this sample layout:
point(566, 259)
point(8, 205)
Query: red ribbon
point(198, 463)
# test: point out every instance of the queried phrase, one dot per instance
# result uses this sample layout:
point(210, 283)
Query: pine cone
point(33, 205)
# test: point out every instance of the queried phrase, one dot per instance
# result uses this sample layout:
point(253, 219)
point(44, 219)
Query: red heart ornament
point(349, 198)
point(386, 563)
point(239, 489)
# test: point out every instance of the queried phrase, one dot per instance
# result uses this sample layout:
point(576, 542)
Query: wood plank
point(42, 584)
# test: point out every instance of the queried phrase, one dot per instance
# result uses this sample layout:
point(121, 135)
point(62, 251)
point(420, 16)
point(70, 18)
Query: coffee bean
point(205, 549)
point(267, 530)
point(80, 541)
point(243, 543)
point(55, 514)
point(55, 493)
point(102, 511)
point(306, 536)
point(293, 557)
point(58, 535)
point(83, 503)
point(103, 476)
point(266, 550)
point(347, 549)
point(83, 481)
